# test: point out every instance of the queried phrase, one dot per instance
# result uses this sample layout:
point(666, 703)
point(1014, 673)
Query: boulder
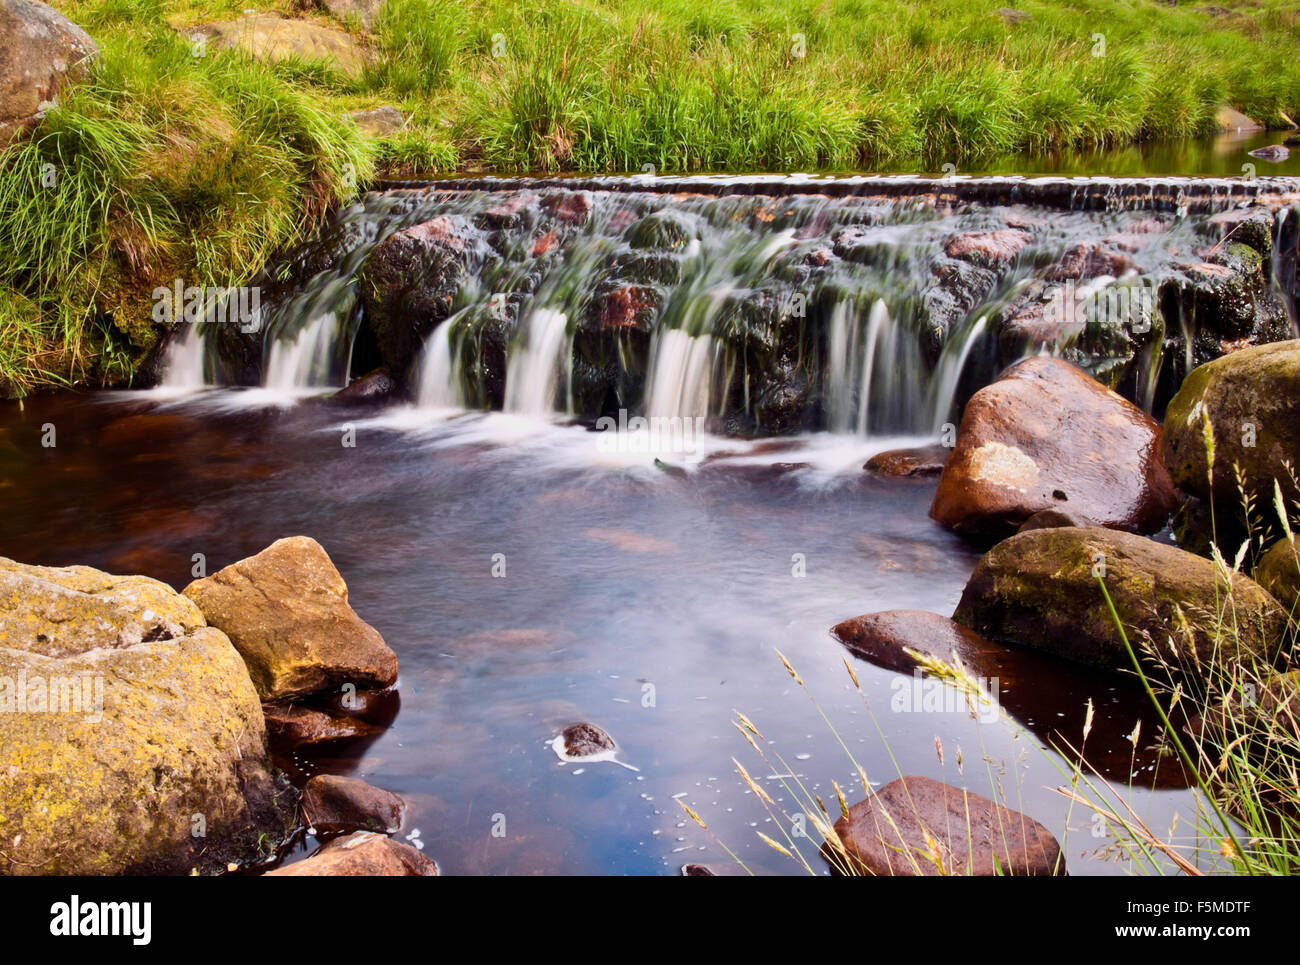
point(1251, 399)
point(922, 461)
point(1047, 436)
point(361, 855)
point(286, 611)
point(41, 52)
point(133, 736)
point(1038, 589)
point(271, 37)
point(1279, 573)
point(375, 387)
point(363, 11)
point(333, 804)
point(917, 826)
point(378, 121)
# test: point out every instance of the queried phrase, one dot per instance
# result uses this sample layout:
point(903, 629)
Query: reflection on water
point(646, 598)
point(1224, 155)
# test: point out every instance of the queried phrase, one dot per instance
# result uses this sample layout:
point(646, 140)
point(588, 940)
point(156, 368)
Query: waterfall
point(440, 375)
point(681, 373)
point(764, 307)
point(184, 363)
point(948, 373)
point(536, 369)
point(876, 380)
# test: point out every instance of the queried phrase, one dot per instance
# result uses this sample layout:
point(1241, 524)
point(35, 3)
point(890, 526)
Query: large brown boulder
point(1251, 399)
point(361, 855)
point(286, 611)
point(41, 51)
point(1040, 589)
point(1046, 436)
point(132, 736)
point(271, 37)
point(917, 826)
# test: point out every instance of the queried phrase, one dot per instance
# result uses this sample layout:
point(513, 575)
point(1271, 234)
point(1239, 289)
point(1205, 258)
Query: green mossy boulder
point(1252, 401)
point(1038, 589)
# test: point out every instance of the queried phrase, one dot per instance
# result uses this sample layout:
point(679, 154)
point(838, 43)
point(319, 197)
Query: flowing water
point(531, 573)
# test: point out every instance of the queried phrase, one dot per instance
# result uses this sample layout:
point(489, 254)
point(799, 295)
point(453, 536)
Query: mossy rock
point(133, 736)
point(1251, 400)
point(1038, 589)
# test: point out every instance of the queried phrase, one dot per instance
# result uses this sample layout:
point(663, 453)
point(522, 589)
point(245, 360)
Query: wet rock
point(1247, 226)
point(570, 207)
point(917, 826)
point(286, 611)
point(1045, 434)
point(1038, 590)
point(377, 386)
point(697, 871)
point(361, 855)
point(988, 248)
point(1251, 399)
point(333, 805)
point(1089, 260)
point(1053, 518)
point(291, 725)
point(378, 121)
point(122, 716)
point(270, 37)
point(1279, 573)
point(408, 282)
point(1274, 152)
point(884, 638)
point(922, 461)
point(583, 740)
point(40, 52)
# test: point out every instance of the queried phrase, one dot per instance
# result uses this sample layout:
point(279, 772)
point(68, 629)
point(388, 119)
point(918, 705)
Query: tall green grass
point(161, 166)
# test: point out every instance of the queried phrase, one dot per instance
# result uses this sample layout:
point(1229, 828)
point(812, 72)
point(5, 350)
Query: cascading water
point(877, 311)
point(681, 375)
point(540, 366)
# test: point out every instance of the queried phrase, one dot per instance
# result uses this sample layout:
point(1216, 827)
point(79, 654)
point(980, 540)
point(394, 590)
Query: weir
point(863, 306)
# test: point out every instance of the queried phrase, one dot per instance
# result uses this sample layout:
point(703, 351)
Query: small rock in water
point(922, 461)
point(697, 871)
point(334, 804)
point(362, 855)
point(583, 740)
point(1274, 152)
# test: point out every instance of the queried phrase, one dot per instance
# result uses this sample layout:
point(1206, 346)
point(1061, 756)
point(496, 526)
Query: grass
point(198, 167)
